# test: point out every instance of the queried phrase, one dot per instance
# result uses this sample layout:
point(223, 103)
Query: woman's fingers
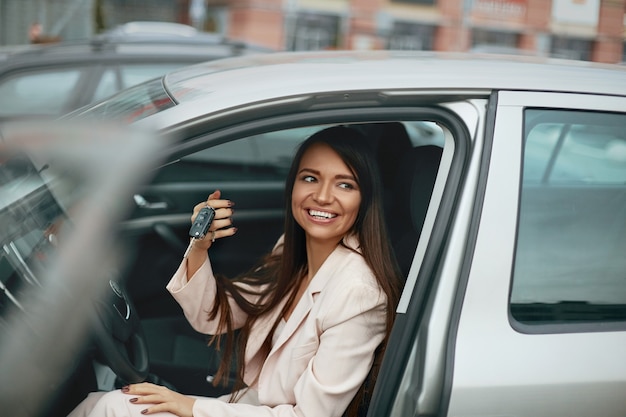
point(143, 388)
point(222, 223)
point(223, 208)
point(159, 398)
point(222, 233)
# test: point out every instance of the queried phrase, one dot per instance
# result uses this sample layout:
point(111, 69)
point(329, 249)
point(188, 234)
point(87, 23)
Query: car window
point(135, 74)
point(561, 153)
point(255, 158)
point(115, 79)
point(267, 156)
point(131, 105)
point(38, 92)
point(569, 261)
point(108, 85)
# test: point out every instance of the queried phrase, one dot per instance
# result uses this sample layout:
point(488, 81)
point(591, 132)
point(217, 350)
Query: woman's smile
point(322, 215)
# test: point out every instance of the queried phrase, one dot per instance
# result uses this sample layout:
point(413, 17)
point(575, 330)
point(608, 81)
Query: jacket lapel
point(305, 304)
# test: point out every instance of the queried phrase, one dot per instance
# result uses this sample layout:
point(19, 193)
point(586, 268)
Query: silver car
point(505, 189)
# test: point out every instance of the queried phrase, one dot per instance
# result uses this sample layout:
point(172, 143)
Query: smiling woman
point(314, 315)
point(325, 198)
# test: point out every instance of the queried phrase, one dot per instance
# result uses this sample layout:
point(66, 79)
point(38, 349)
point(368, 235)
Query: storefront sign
point(578, 12)
point(500, 9)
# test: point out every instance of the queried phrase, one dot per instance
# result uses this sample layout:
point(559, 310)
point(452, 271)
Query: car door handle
point(142, 203)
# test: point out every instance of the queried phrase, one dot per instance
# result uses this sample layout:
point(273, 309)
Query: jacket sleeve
point(197, 298)
point(197, 295)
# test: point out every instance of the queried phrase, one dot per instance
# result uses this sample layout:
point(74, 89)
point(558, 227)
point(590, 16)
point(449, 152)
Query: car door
point(248, 164)
point(542, 307)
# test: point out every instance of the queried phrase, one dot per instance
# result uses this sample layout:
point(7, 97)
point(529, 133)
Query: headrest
point(415, 180)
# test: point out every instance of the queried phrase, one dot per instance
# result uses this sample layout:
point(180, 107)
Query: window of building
point(482, 38)
point(571, 48)
point(569, 262)
point(425, 2)
point(314, 32)
point(411, 36)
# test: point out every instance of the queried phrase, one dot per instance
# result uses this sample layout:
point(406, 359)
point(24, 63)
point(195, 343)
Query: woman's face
point(326, 197)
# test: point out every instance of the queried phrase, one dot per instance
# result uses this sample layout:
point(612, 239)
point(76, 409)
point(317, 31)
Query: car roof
point(214, 85)
point(406, 69)
point(110, 46)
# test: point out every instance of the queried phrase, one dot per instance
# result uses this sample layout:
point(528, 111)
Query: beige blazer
point(324, 351)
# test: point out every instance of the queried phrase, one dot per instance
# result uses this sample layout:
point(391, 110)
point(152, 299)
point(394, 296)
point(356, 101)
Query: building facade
point(590, 30)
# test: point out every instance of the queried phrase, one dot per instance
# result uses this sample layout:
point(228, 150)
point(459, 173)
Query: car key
point(200, 226)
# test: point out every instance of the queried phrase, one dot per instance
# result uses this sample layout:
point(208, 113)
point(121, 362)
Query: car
point(155, 29)
point(505, 197)
point(53, 79)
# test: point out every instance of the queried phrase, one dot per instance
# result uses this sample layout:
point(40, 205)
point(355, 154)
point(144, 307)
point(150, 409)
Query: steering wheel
point(119, 337)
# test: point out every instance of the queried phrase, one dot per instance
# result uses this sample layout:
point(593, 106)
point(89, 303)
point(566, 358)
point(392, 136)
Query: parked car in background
point(53, 79)
point(505, 194)
point(157, 30)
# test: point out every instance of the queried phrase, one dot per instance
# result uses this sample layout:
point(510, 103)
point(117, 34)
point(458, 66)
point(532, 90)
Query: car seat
point(408, 176)
point(411, 191)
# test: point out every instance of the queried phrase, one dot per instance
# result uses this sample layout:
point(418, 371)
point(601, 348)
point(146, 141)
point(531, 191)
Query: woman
point(315, 314)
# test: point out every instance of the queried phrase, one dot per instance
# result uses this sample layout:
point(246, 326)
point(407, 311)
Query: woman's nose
point(323, 194)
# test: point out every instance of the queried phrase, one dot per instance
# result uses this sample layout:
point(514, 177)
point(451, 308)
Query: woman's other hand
point(159, 399)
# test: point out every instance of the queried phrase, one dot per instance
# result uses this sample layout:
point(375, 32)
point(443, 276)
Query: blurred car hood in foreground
point(82, 176)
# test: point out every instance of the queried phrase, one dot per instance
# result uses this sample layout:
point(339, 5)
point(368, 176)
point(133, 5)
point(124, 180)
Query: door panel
point(538, 331)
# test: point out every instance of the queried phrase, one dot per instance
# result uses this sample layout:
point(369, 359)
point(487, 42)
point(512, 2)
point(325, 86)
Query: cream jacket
point(324, 351)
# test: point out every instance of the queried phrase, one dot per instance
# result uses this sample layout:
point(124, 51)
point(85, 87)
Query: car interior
point(250, 172)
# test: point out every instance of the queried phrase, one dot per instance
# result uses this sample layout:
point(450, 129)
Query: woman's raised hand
point(222, 222)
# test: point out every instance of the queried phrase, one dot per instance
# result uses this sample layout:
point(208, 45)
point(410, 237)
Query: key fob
point(201, 224)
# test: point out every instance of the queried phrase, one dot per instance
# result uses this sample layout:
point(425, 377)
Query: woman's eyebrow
point(339, 176)
point(311, 170)
point(345, 177)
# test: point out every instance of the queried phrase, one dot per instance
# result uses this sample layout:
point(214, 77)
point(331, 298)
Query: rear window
point(570, 264)
point(132, 104)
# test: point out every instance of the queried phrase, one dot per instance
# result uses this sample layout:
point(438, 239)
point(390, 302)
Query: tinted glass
point(264, 157)
point(570, 261)
point(109, 84)
point(267, 157)
point(115, 79)
point(135, 74)
point(43, 92)
point(132, 104)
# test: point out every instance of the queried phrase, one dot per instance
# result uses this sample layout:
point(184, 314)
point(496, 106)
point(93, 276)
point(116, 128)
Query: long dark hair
point(280, 272)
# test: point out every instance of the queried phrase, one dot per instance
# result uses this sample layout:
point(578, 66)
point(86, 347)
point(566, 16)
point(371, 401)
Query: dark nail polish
point(144, 411)
point(133, 400)
point(125, 388)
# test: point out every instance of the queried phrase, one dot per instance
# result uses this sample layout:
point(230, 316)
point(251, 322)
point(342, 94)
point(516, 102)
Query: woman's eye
point(346, 185)
point(308, 178)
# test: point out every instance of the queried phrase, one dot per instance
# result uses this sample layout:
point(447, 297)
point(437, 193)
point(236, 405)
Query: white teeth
point(322, 214)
